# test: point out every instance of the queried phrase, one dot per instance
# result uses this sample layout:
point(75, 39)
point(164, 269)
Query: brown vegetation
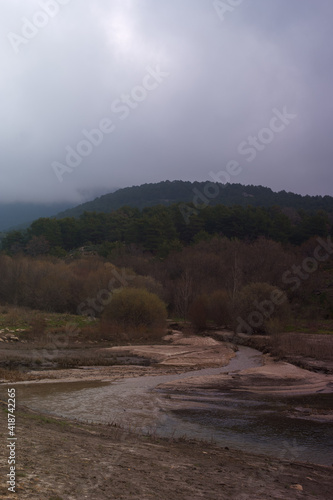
point(319, 347)
point(135, 313)
point(256, 304)
point(214, 308)
point(84, 285)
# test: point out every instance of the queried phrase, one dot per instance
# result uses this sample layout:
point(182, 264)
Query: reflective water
point(262, 425)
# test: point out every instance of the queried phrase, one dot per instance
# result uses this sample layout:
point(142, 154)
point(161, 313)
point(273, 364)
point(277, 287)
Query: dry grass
point(76, 361)
point(118, 332)
point(12, 375)
point(34, 325)
point(319, 347)
point(37, 328)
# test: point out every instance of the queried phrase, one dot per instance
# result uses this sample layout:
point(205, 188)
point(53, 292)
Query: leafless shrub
point(219, 306)
point(199, 313)
point(261, 307)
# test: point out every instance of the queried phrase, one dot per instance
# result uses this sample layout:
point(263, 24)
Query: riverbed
point(239, 420)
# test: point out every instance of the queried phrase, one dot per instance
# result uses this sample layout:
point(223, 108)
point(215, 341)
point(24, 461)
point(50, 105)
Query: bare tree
point(184, 294)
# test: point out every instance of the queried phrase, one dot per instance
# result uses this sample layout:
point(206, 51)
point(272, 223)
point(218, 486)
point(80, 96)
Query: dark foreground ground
point(62, 460)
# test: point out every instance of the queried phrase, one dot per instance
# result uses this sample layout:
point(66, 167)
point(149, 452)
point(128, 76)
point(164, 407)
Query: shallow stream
point(237, 420)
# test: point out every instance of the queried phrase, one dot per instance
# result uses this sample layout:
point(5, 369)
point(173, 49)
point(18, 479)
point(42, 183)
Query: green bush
point(261, 308)
point(135, 308)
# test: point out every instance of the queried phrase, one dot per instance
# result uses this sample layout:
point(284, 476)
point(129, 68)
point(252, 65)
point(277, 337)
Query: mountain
point(20, 215)
point(168, 192)
point(232, 210)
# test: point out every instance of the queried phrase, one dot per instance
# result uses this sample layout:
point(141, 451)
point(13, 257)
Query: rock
point(297, 487)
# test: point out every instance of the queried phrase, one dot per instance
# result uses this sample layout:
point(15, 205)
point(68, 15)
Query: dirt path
point(59, 460)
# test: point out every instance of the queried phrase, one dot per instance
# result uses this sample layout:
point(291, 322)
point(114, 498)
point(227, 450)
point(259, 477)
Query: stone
point(297, 487)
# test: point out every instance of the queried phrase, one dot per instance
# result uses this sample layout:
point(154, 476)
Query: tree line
point(169, 192)
point(161, 229)
point(213, 272)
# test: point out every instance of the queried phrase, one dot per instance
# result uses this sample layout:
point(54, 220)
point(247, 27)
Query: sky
point(104, 94)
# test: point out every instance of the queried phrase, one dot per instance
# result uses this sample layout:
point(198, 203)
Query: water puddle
point(262, 425)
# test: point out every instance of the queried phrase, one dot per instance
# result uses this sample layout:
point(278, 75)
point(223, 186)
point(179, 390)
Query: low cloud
point(224, 80)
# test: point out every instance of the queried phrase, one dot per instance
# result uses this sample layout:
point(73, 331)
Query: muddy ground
point(177, 354)
point(66, 460)
point(272, 378)
point(70, 461)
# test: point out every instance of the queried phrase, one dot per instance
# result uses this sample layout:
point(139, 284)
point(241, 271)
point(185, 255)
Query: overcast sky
point(177, 88)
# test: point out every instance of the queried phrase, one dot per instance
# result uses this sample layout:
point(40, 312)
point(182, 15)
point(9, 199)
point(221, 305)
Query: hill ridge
point(169, 192)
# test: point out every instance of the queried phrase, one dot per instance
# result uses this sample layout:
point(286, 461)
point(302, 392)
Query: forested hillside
point(161, 229)
point(197, 256)
point(168, 193)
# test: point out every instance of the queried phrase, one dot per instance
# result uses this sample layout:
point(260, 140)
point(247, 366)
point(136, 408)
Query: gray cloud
point(224, 80)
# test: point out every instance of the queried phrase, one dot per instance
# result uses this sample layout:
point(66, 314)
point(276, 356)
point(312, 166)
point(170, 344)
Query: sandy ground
point(180, 355)
point(274, 377)
point(278, 379)
point(189, 352)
